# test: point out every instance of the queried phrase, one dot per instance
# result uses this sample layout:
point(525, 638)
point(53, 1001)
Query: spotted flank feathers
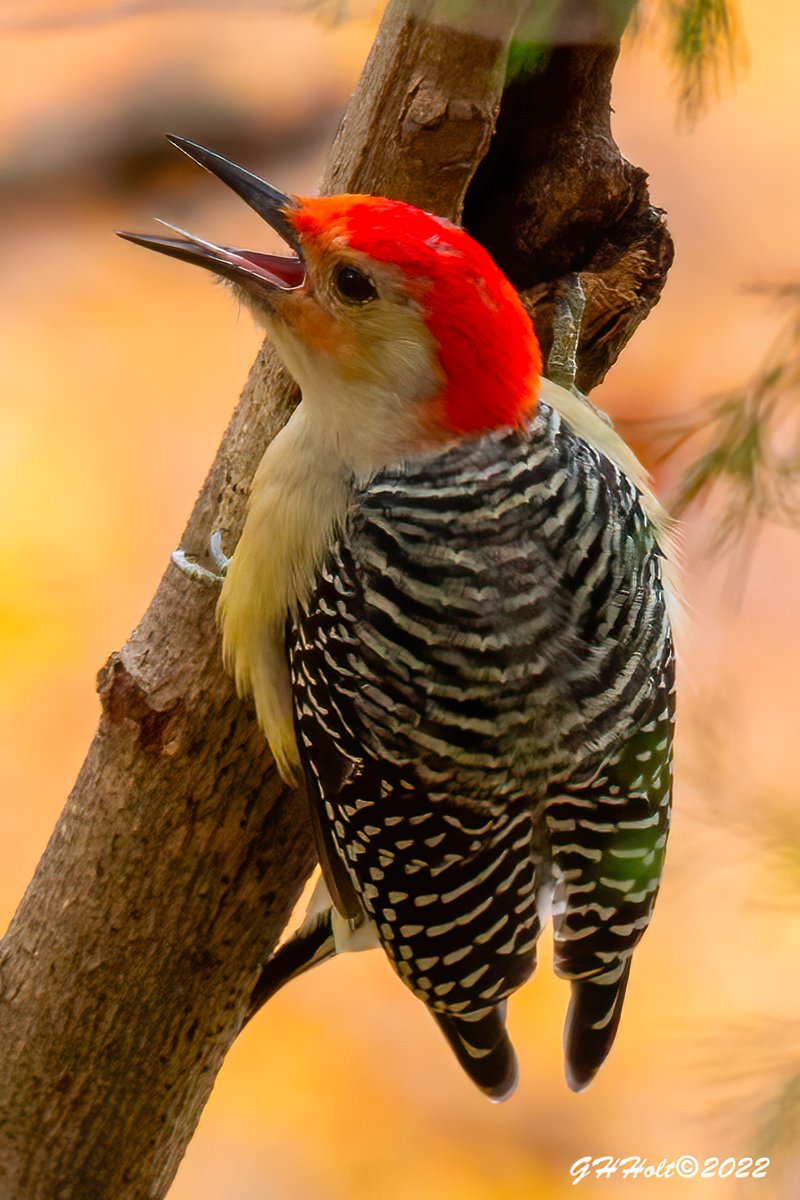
point(483, 682)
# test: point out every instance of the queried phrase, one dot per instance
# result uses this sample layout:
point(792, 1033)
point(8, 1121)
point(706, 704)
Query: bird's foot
point(194, 570)
point(562, 361)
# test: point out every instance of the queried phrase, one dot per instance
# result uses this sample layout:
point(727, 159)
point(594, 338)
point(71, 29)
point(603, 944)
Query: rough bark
point(554, 195)
point(126, 973)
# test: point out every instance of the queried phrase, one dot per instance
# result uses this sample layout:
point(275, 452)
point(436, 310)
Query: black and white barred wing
point(479, 649)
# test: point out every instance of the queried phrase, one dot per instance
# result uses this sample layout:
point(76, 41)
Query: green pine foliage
point(749, 461)
point(705, 44)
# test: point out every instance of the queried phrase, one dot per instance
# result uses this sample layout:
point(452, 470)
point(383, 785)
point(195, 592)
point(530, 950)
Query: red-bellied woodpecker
point(450, 602)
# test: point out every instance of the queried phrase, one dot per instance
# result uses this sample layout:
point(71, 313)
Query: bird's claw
point(195, 571)
point(562, 361)
point(217, 553)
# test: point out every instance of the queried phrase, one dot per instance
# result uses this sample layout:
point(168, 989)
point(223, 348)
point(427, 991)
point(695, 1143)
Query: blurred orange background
point(119, 373)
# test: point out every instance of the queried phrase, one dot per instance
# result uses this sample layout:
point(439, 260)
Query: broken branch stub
point(554, 195)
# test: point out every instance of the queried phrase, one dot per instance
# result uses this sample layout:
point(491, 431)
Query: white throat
point(372, 415)
point(349, 425)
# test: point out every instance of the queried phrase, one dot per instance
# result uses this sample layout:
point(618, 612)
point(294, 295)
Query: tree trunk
point(127, 970)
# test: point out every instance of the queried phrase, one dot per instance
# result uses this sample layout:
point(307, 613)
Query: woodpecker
point(451, 603)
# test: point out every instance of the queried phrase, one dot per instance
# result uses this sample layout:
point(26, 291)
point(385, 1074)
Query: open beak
point(246, 267)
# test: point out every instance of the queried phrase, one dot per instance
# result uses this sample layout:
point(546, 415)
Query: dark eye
point(353, 285)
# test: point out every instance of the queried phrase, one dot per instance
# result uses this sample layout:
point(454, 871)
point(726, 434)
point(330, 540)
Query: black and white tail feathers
point(483, 1048)
point(591, 1026)
point(479, 1040)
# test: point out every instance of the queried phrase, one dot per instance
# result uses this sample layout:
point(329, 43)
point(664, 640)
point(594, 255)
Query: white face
point(368, 368)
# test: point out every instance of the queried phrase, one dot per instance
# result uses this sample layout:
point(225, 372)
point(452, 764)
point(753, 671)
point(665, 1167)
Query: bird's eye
point(353, 285)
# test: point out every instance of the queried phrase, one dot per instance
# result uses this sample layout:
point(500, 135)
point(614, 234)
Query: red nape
point(487, 346)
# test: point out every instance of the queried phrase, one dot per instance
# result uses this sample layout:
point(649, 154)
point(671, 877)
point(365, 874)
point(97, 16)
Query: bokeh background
point(119, 371)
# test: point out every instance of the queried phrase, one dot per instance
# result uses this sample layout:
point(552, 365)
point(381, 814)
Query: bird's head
point(401, 331)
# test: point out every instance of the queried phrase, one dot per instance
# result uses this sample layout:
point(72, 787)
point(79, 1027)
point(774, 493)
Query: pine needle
point(750, 463)
point(705, 44)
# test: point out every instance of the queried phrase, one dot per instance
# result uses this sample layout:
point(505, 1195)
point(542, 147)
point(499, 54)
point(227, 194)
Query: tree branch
point(555, 195)
point(127, 970)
